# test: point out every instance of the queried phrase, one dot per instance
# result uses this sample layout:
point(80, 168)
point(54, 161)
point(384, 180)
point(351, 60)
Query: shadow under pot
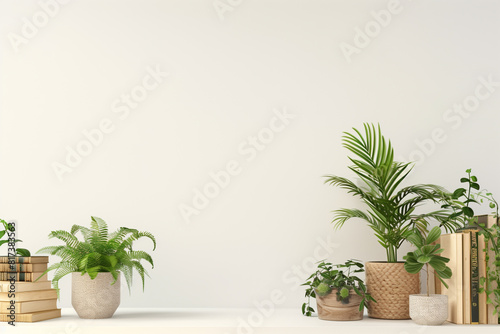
point(329, 308)
point(95, 298)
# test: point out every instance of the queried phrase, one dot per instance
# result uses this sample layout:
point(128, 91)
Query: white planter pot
point(429, 310)
point(95, 298)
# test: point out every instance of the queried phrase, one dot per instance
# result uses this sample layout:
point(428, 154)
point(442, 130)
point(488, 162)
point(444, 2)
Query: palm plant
point(100, 251)
point(390, 210)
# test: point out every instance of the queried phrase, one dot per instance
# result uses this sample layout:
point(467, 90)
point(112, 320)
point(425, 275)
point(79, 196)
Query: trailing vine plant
point(340, 277)
point(491, 283)
point(460, 202)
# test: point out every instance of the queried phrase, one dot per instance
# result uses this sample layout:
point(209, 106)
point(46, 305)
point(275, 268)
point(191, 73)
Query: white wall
point(227, 78)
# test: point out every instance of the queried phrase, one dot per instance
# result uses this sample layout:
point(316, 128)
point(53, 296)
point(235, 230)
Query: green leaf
point(458, 193)
point(468, 211)
point(413, 268)
point(437, 264)
point(424, 259)
point(361, 305)
point(433, 235)
point(415, 239)
point(344, 292)
point(445, 273)
point(23, 252)
point(323, 289)
point(444, 283)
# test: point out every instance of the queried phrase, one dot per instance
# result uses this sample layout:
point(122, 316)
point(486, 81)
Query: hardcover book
point(474, 278)
point(28, 295)
point(22, 277)
point(6, 286)
point(28, 306)
point(466, 275)
point(483, 306)
point(23, 267)
point(24, 259)
point(33, 317)
point(452, 245)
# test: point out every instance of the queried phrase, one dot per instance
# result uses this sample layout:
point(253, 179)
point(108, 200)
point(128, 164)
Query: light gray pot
point(429, 310)
point(95, 298)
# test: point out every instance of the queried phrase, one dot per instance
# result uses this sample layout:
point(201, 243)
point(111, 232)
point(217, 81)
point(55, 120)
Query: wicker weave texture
point(390, 285)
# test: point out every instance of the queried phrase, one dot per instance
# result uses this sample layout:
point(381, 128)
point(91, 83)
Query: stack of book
point(21, 299)
point(465, 249)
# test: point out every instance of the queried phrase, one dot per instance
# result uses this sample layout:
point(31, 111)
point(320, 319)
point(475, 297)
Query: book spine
point(483, 306)
point(24, 259)
point(466, 291)
point(474, 272)
point(19, 267)
point(21, 277)
point(459, 279)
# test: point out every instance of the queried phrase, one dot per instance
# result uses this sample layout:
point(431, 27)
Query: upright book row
point(466, 251)
point(26, 300)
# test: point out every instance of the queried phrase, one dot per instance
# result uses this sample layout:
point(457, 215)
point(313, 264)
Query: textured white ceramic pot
point(429, 310)
point(95, 298)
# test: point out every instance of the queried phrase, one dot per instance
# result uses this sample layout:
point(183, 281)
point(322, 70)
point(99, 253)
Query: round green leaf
point(424, 259)
point(413, 268)
point(323, 289)
point(344, 292)
point(468, 211)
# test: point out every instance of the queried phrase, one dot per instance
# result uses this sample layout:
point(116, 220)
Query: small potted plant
point(429, 309)
point(340, 295)
point(96, 264)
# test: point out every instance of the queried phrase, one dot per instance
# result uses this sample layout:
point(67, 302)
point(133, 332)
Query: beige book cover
point(452, 245)
point(23, 277)
point(28, 306)
point(28, 295)
point(6, 286)
point(33, 317)
point(466, 277)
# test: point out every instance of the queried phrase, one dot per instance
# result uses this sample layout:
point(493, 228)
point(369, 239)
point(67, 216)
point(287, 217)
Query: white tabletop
point(228, 321)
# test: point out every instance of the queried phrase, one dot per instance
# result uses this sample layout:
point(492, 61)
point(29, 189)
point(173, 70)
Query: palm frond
point(390, 212)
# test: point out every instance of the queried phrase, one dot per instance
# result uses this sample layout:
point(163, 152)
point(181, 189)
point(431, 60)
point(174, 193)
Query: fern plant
point(390, 210)
point(99, 251)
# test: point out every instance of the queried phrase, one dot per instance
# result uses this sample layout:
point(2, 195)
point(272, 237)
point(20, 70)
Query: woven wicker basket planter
point(391, 286)
point(329, 308)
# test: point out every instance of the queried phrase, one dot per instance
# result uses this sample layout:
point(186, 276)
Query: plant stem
point(466, 220)
point(428, 278)
point(392, 253)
